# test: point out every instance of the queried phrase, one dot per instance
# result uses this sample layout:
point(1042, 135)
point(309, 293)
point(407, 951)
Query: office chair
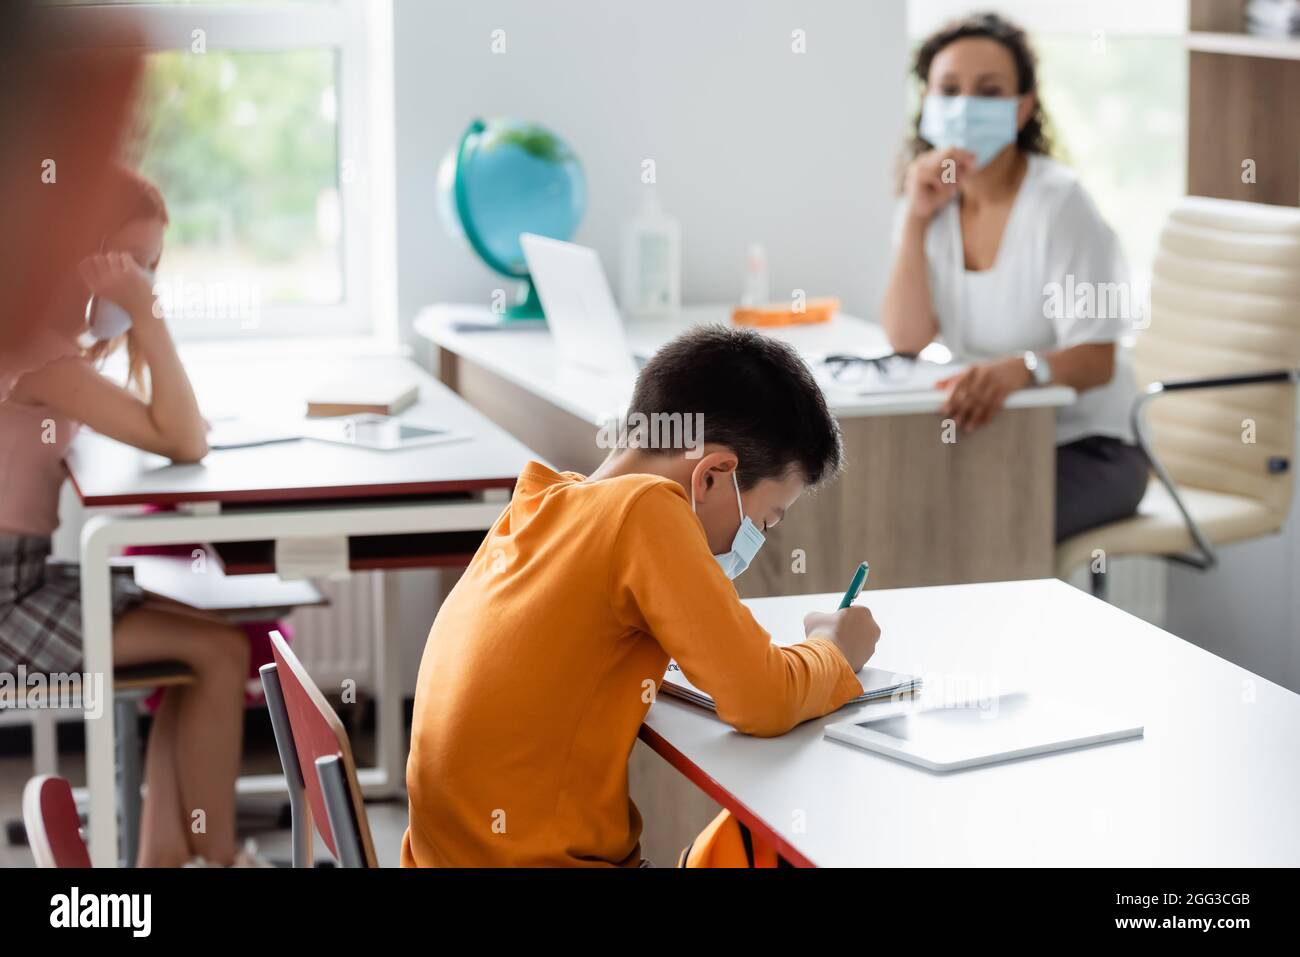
point(1217, 419)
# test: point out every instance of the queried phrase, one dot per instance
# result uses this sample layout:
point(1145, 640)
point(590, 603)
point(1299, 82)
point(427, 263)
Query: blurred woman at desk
point(47, 391)
point(993, 242)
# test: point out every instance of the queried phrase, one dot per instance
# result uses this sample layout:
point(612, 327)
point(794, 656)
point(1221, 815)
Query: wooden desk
point(1211, 784)
point(923, 511)
point(301, 489)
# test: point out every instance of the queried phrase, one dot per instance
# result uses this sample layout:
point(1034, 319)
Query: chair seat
point(139, 680)
point(1158, 528)
point(162, 674)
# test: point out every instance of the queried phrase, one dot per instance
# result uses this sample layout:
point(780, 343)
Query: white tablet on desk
point(379, 433)
point(968, 734)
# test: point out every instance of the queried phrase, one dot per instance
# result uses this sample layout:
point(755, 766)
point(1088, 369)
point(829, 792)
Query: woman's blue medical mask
point(745, 545)
point(984, 125)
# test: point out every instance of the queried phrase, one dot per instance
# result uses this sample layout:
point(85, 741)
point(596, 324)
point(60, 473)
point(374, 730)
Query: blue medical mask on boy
point(745, 545)
point(984, 125)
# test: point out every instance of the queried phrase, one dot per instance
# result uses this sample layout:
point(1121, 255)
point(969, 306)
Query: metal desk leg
point(389, 730)
point(45, 741)
point(97, 643)
point(128, 771)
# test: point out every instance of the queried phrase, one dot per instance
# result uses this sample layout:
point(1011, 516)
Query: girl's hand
point(931, 180)
point(115, 276)
point(977, 393)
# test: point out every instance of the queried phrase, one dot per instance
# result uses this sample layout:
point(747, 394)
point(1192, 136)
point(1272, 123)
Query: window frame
point(341, 26)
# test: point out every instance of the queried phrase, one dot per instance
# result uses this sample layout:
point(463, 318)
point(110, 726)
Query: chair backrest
point(300, 820)
point(342, 817)
point(52, 825)
point(318, 733)
point(1225, 298)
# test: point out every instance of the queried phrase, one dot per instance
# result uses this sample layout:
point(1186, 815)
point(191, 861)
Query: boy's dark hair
point(755, 395)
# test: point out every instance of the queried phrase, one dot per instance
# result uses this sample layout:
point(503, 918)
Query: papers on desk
point(370, 432)
point(877, 685)
point(238, 433)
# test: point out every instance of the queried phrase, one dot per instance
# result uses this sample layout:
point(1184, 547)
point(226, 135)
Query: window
point(255, 123)
point(1113, 80)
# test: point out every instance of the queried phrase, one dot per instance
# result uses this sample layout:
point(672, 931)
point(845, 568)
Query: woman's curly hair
point(1034, 136)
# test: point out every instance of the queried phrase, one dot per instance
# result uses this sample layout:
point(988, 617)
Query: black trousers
point(1099, 479)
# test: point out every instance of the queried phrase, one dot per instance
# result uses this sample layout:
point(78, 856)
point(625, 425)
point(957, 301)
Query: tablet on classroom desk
point(380, 433)
point(969, 734)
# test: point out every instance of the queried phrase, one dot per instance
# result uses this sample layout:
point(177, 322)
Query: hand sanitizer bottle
point(652, 261)
point(756, 291)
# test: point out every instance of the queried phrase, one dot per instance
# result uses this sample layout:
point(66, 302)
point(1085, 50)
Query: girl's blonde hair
point(134, 197)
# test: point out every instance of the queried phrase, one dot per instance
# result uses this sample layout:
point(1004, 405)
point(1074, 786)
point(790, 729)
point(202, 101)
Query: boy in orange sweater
point(546, 655)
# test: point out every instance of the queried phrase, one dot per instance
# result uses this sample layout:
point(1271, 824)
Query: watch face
point(1039, 369)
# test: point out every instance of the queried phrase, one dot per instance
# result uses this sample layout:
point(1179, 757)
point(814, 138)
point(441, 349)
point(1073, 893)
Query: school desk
point(420, 507)
point(980, 508)
point(1212, 783)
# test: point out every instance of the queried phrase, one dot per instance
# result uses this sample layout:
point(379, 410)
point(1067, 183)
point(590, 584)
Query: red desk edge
point(696, 775)
point(311, 493)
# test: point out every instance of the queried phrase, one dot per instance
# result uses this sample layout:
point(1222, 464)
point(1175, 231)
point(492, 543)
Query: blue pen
point(855, 586)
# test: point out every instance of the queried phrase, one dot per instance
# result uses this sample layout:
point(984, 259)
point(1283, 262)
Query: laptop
point(579, 306)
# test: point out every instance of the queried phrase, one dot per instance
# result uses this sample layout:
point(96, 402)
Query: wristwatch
point(1038, 368)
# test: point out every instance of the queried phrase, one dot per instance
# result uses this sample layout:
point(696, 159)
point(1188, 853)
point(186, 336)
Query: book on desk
point(877, 685)
point(360, 396)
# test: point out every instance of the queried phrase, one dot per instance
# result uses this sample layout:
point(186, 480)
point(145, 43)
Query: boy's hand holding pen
point(851, 628)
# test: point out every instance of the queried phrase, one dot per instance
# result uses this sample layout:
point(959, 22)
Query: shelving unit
point(1243, 104)
point(1244, 44)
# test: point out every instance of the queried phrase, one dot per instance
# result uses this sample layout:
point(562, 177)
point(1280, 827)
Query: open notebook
point(876, 685)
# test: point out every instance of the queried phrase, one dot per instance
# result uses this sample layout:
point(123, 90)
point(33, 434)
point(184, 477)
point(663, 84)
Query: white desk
point(925, 504)
point(1213, 783)
point(528, 359)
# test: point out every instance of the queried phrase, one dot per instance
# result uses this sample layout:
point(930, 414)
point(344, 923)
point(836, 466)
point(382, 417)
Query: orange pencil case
point(781, 314)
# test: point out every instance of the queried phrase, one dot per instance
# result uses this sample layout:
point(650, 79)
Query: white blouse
point(1059, 280)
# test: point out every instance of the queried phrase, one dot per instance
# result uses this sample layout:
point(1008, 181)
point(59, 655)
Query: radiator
point(1137, 585)
point(336, 643)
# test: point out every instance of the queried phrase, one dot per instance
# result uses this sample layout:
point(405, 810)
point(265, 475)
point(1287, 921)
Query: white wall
point(752, 142)
point(1248, 609)
point(1149, 17)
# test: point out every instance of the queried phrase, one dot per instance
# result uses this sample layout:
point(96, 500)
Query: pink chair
point(318, 766)
point(53, 827)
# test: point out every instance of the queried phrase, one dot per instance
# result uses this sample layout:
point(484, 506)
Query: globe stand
point(528, 305)
point(537, 145)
